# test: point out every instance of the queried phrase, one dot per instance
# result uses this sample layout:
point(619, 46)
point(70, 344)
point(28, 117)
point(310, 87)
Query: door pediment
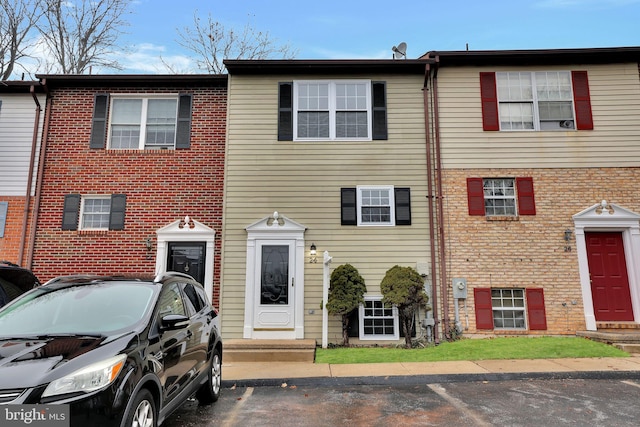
point(606, 213)
point(182, 229)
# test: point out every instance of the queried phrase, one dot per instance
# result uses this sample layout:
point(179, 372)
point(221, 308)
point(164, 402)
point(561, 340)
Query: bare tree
point(82, 33)
point(17, 20)
point(211, 42)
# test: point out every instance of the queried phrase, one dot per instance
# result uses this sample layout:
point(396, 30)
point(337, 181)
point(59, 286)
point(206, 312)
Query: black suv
point(14, 281)
point(118, 351)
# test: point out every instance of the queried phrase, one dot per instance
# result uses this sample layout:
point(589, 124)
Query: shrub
point(404, 288)
point(346, 293)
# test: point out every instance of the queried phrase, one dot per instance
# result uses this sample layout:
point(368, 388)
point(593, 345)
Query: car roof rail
point(169, 274)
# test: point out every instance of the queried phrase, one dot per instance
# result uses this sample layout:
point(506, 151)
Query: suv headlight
point(93, 377)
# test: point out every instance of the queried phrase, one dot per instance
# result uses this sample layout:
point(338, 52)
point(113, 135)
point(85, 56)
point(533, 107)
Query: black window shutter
point(379, 108)
point(70, 212)
point(183, 127)
point(348, 214)
point(116, 214)
point(99, 124)
point(403, 206)
point(285, 111)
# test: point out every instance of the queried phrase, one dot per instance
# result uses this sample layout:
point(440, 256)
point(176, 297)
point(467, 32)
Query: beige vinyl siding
point(302, 181)
point(615, 101)
point(17, 116)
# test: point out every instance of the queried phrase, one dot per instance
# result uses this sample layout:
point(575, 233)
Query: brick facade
point(161, 186)
point(13, 230)
point(530, 251)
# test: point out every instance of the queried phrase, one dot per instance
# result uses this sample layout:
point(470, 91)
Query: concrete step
point(241, 350)
point(611, 336)
point(629, 348)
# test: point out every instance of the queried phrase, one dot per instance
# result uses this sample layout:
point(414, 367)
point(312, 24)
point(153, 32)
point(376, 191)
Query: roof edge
point(326, 66)
point(540, 56)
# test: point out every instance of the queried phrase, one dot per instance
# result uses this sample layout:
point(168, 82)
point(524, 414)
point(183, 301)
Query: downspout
point(43, 151)
point(439, 201)
point(430, 196)
point(32, 160)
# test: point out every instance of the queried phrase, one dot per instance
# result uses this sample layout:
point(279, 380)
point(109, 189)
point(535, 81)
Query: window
point(501, 197)
point(170, 301)
point(378, 321)
point(94, 212)
point(375, 205)
point(332, 110)
point(540, 101)
point(152, 122)
point(4, 208)
point(143, 123)
point(510, 308)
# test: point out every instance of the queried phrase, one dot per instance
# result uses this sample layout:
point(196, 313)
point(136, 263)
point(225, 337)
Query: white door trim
point(608, 217)
point(273, 229)
point(188, 230)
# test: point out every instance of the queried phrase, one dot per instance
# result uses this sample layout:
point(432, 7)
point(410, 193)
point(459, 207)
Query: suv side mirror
point(173, 321)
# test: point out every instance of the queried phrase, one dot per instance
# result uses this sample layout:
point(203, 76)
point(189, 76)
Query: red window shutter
point(489, 97)
point(526, 199)
point(535, 309)
point(475, 196)
point(582, 100)
point(484, 310)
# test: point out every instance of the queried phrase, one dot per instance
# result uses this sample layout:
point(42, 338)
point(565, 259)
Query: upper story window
point(375, 205)
point(539, 101)
point(332, 110)
point(501, 197)
point(535, 101)
point(313, 110)
point(141, 122)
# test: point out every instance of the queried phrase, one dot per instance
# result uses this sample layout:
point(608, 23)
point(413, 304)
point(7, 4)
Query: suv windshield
point(98, 308)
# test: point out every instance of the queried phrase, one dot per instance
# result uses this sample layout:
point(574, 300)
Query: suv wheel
point(142, 412)
point(210, 391)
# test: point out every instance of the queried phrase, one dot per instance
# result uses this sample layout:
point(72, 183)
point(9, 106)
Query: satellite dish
point(400, 51)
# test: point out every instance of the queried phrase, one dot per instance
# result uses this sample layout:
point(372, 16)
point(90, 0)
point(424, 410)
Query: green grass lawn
point(474, 349)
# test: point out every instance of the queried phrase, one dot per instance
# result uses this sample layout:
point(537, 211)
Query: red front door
point(609, 280)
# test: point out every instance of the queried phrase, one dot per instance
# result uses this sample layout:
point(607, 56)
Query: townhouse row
point(507, 179)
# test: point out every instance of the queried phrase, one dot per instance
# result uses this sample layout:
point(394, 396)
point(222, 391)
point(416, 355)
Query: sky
point(350, 29)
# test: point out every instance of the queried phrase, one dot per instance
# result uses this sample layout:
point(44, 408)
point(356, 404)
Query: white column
point(325, 300)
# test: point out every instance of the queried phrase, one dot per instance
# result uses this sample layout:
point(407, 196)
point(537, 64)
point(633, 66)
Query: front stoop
point(248, 350)
point(623, 335)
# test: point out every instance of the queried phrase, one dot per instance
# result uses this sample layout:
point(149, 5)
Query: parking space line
point(231, 419)
point(459, 405)
point(631, 383)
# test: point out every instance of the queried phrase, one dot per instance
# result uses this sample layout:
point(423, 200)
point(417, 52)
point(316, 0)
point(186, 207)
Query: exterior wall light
point(567, 238)
point(313, 254)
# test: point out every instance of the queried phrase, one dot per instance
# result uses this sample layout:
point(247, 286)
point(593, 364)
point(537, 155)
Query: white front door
point(274, 286)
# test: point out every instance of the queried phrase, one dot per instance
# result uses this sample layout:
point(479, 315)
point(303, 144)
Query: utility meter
point(459, 286)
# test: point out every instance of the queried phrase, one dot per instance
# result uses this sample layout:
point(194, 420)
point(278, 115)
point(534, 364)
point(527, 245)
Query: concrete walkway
point(273, 373)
